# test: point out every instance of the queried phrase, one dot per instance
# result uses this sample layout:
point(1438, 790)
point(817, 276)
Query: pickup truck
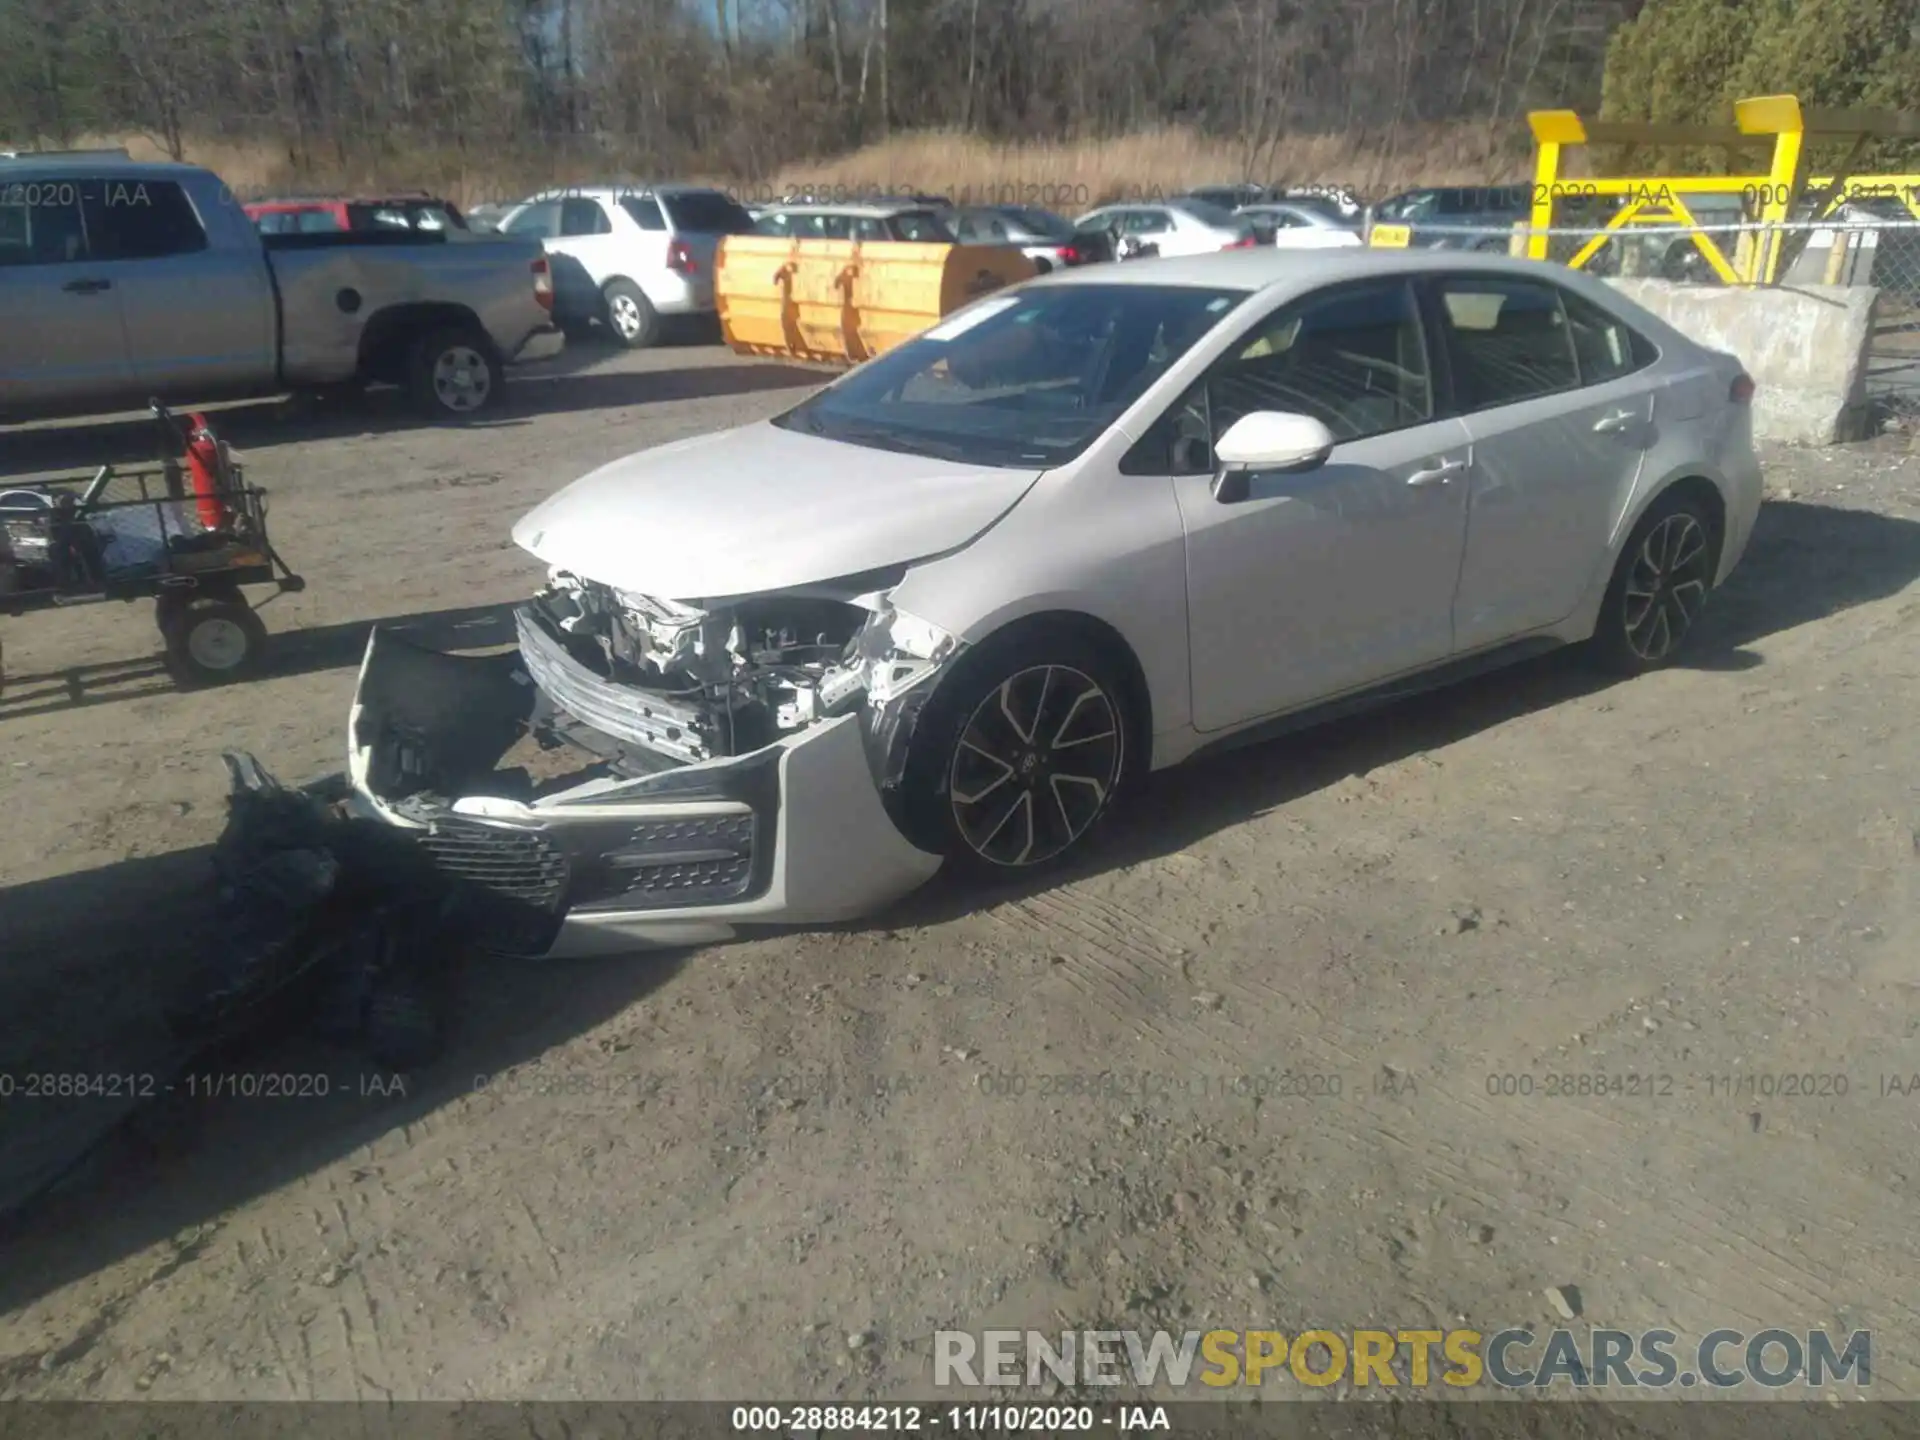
point(124, 280)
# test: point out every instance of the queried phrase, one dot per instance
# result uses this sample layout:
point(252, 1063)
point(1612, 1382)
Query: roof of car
point(636, 189)
point(1262, 266)
point(858, 212)
point(105, 164)
point(397, 197)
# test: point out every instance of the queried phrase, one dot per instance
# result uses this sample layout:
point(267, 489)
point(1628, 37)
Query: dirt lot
point(784, 1163)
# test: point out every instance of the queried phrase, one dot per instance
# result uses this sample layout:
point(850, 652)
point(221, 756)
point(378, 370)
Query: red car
point(310, 215)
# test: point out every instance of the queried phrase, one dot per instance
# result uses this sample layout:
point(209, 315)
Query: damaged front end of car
point(650, 771)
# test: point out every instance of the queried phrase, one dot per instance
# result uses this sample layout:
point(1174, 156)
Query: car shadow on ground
point(291, 652)
point(563, 386)
point(78, 985)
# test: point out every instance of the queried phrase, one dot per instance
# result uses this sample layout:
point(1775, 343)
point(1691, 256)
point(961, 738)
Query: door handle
point(1438, 475)
point(86, 287)
point(1614, 423)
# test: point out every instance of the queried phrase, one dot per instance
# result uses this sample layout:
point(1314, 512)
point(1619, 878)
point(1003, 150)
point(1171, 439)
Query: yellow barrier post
point(1645, 199)
point(1798, 124)
point(1779, 116)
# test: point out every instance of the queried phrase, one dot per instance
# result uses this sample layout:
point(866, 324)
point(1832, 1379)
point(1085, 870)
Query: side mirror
point(1267, 440)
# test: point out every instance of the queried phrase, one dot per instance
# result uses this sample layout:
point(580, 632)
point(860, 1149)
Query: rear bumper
point(674, 294)
point(794, 833)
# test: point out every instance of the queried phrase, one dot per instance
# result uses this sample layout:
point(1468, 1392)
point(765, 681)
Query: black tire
point(403, 1028)
point(454, 373)
point(630, 315)
point(214, 640)
point(1493, 247)
point(1659, 586)
point(1059, 681)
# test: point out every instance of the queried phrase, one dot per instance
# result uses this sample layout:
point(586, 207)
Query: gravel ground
point(776, 1167)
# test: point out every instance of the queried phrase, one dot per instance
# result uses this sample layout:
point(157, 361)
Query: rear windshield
point(708, 212)
point(1044, 223)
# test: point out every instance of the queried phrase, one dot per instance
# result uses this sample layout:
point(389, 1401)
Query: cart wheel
point(211, 641)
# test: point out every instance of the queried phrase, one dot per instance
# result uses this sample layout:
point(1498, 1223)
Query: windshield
point(1021, 380)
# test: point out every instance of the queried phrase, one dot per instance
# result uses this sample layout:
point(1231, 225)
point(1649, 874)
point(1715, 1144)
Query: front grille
point(523, 865)
point(687, 860)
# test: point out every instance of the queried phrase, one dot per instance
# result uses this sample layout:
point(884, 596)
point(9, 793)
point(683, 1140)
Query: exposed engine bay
point(690, 684)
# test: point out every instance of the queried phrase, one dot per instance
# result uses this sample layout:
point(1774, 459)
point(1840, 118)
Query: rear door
point(64, 342)
point(1558, 401)
point(199, 319)
point(586, 236)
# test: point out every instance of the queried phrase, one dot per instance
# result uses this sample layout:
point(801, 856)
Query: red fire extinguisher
point(206, 471)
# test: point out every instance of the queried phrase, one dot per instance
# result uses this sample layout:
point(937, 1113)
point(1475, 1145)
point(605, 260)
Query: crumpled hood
point(761, 508)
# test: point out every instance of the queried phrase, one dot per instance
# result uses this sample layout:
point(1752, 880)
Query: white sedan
point(1298, 227)
point(949, 609)
point(1172, 228)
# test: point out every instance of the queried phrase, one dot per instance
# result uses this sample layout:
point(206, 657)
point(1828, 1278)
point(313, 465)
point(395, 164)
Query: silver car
point(953, 606)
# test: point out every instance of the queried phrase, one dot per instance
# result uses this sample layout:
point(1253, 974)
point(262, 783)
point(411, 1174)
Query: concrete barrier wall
point(1806, 348)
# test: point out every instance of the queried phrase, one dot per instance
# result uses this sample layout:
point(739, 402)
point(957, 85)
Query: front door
point(1325, 581)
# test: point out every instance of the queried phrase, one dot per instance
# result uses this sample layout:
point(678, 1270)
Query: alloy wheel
point(1037, 763)
point(626, 316)
point(1666, 587)
point(461, 378)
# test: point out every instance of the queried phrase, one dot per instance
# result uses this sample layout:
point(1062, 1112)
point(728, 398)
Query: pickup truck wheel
point(630, 315)
point(454, 372)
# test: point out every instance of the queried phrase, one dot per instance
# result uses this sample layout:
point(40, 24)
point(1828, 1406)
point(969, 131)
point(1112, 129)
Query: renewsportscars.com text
point(1516, 1358)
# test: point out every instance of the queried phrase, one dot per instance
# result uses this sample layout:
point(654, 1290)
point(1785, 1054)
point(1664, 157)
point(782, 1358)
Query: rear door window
point(314, 222)
point(581, 216)
point(1509, 340)
point(645, 211)
point(148, 220)
point(1606, 347)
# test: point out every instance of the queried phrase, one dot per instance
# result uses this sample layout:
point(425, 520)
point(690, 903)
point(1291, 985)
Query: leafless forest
point(745, 88)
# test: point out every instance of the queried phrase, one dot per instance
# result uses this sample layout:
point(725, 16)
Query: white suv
point(629, 255)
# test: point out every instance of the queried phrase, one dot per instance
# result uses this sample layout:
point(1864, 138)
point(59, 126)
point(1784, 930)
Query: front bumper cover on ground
point(794, 833)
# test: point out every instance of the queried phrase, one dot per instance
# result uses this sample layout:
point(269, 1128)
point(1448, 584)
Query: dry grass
point(1059, 176)
point(1163, 162)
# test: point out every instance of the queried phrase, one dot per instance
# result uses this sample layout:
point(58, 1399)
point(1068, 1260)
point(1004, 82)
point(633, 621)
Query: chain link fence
point(1850, 248)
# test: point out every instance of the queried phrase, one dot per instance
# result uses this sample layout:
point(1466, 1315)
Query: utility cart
point(188, 533)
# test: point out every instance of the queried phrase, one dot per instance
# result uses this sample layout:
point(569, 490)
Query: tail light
point(1742, 389)
point(543, 283)
point(680, 259)
point(1245, 242)
point(1070, 256)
